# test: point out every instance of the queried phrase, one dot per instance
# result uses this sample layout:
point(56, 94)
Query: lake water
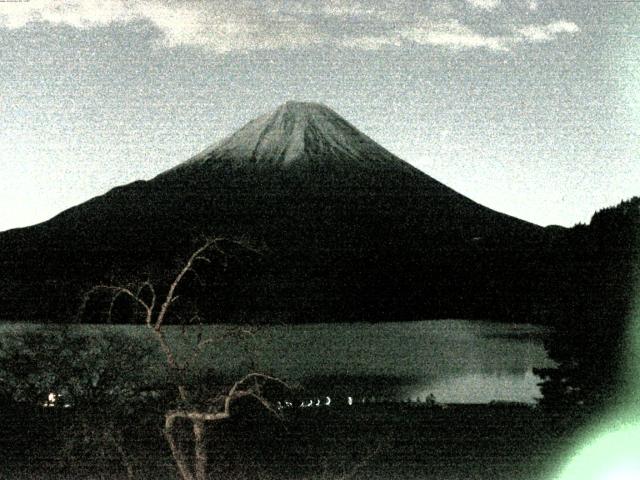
point(456, 361)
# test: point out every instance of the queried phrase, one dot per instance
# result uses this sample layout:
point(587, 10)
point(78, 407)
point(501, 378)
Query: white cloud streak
point(344, 8)
point(455, 35)
point(546, 33)
point(226, 26)
point(485, 4)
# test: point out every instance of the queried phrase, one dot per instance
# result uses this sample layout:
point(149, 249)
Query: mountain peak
point(300, 135)
point(300, 107)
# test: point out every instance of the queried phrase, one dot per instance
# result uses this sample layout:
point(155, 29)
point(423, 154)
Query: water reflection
point(481, 388)
point(452, 360)
point(456, 361)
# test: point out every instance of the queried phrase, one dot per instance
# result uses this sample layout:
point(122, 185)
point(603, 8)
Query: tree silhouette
point(101, 377)
point(595, 293)
point(192, 405)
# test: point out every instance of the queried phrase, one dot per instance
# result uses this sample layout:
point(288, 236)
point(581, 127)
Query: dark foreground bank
point(393, 441)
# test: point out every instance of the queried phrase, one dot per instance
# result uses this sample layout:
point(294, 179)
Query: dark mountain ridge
point(352, 232)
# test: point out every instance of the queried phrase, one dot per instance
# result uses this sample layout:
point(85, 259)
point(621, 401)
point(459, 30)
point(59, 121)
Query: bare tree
point(156, 309)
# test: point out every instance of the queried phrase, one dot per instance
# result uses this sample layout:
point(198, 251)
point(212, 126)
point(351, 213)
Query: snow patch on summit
point(300, 134)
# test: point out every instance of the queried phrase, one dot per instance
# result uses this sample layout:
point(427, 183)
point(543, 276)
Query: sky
point(530, 107)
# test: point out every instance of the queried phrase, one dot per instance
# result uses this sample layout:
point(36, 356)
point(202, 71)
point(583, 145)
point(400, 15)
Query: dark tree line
point(596, 272)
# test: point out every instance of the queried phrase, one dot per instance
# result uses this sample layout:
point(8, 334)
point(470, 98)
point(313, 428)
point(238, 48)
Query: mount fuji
point(300, 136)
point(351, 232)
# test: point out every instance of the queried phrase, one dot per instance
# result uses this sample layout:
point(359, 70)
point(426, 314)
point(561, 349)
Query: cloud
point(79, 14)
point(372, 42)
point(455, 35)
point(485, 4)
point(545, 33)
point(222, 27)
point(235, 28)
point(344, 8)
point(343, 12)
point(241, 25)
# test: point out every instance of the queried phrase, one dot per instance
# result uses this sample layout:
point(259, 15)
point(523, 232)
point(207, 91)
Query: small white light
point(51, 400)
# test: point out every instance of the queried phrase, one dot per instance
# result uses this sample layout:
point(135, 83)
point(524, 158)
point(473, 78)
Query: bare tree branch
point(117, 291)
point(200, 449)
point(147, 284)
point(114, 298)
point(250, 386)
point(235, 392)
point(176, 452)
point(172, 288)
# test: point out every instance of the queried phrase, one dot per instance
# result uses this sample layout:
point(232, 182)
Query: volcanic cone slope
point(350, 232)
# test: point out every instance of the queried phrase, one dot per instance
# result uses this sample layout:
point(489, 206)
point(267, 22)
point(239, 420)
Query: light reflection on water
point(456, 361)
point(479, 388)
